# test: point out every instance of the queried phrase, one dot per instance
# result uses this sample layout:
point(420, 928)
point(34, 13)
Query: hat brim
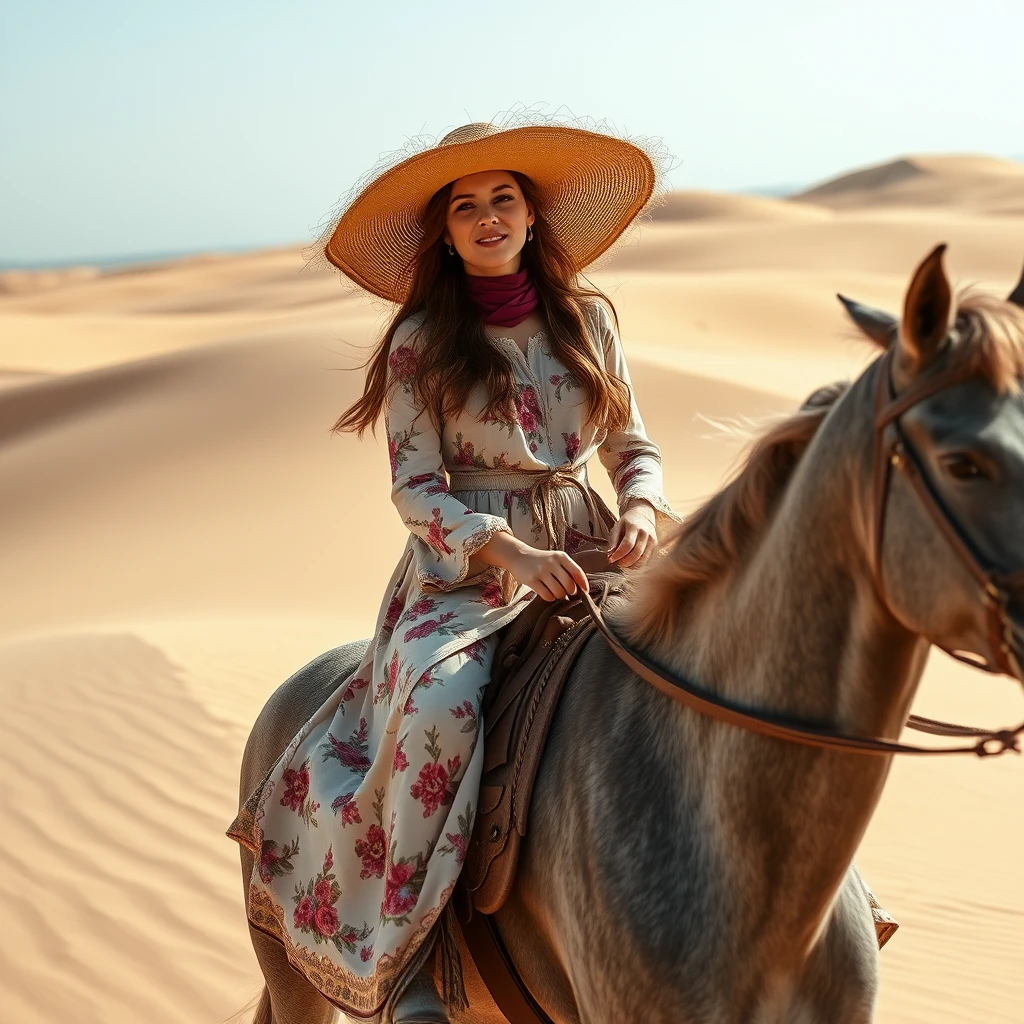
point(592, 185)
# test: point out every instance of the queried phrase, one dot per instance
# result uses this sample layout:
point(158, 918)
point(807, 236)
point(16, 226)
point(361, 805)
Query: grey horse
point(679, 870)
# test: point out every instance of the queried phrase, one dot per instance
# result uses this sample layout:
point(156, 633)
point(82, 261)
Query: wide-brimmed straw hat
point(593, 186)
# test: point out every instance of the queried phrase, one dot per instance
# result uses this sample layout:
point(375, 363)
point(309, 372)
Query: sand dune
point(722, 207)
point(981, 184)
point(181, 532)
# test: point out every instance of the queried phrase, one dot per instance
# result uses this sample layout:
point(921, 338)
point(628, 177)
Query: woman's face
point(487, 221)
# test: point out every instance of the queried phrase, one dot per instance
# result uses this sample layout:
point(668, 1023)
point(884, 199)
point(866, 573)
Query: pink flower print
point(268, 858)
point(437, 533)
point(322, 891)
point(520, 499)
point(350, 814)
point(275, 862)
point(431, 788)
point(428, 678)
point(627, 476)
point(399, 895)
point(475, 651)
point(491, 594)
point(465, 454)
point(403, 365)
point(303, 916)
point(366, 954)
point(351, 754)
point(340, 803)
point(458, 842)
point(329, 859)
point(386, 687)
point(401, 761)
point(528, 410)
point(325, 920)
point(410, 708)
point(373, 850)
point(399, 446)
point(438, 625)
point(464, 710)
point(467, 714)
point(630, 454)
point(351, 690)
point(393, 614)
point(560, 381)
point(296, 787)
point(572, 445)
point(424, 606)
point(348, 755)
point(440, 486)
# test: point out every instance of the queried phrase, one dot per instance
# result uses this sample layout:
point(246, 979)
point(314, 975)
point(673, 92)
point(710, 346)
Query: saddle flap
point(533, 661)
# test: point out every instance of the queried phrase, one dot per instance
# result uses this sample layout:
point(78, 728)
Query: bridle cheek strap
point(892, 450)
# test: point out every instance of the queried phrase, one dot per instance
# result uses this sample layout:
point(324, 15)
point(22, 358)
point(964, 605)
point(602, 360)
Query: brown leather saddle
point(531, 665)
point(535, 655)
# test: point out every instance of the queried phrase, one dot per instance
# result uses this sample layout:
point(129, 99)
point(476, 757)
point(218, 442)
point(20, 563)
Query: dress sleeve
point(632, 459)
point(447, 533)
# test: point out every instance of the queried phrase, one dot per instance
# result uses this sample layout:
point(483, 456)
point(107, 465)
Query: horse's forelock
point(714, 537)
point(991, 339)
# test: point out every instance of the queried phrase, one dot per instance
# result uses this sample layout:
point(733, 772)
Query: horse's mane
point(989, 337)
point(713, 538)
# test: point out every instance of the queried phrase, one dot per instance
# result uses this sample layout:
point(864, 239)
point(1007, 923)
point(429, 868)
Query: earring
point(451, 250)
point(529, 233)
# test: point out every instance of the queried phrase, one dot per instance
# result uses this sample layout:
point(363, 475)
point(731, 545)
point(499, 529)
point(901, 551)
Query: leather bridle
point(892, 450)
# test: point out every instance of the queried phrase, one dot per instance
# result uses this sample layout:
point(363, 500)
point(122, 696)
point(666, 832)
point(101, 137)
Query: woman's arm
point(449, 532)
point(632, 459)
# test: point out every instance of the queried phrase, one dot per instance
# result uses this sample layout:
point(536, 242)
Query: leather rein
point(892, 450)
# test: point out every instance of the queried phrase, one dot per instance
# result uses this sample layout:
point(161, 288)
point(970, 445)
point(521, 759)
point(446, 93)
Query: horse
point(679, 869)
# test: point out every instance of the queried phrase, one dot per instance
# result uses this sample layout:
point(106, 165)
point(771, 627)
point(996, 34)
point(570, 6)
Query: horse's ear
point(926, 311)
point(880, 327)
point(1017, 295)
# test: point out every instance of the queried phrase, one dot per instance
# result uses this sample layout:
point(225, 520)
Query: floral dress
point(360, 829)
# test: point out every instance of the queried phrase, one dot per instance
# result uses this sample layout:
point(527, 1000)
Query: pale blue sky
point(144, 126)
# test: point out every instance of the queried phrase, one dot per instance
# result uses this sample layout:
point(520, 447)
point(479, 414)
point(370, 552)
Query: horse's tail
point(264, 1014)
point(259, 1006)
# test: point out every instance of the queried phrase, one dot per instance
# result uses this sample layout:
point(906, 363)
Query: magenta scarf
point(504, 301)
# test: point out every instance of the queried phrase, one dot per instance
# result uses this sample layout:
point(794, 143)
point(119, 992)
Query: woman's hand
point(551, 575)
point(632, 537)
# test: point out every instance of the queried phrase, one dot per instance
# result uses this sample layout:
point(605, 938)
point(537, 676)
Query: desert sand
point(180, 532)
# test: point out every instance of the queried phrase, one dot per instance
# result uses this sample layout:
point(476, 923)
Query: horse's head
point(948, 476)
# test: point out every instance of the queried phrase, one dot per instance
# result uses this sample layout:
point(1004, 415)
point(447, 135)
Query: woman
point(498, 378)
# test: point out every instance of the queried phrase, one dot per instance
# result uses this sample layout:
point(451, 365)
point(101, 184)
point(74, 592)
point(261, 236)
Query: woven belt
point(536, 487)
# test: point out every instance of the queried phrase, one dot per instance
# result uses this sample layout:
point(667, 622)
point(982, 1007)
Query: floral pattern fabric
point(360, 829)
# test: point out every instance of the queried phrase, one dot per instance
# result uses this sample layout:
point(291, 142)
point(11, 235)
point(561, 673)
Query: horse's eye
point(963, 466)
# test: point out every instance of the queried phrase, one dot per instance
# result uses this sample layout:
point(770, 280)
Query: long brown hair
point(456, 353)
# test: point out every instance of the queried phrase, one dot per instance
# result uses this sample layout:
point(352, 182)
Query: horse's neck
point(798, 629)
